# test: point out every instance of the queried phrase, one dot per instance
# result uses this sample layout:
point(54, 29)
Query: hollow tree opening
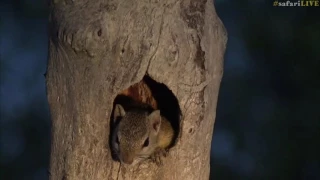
point(154, 96)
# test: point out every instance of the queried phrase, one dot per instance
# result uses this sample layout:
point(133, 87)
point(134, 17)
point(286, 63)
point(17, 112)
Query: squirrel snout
point(126, 159)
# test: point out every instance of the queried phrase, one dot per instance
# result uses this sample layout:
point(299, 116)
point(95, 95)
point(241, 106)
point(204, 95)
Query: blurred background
point(267, 125)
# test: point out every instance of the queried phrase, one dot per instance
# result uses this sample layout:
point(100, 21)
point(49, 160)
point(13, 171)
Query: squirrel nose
point(126, 159)
point(128, 162)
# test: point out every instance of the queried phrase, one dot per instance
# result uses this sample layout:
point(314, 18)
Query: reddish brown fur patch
point(141, 92)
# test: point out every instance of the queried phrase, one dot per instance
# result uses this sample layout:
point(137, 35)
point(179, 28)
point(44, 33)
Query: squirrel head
point(136, 133)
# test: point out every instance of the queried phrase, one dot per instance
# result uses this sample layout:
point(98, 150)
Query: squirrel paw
point(158, 156)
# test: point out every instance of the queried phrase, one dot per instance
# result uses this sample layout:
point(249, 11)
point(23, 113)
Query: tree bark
point(99, 48)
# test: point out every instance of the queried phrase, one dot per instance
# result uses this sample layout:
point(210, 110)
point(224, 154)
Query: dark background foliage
point(267, 126)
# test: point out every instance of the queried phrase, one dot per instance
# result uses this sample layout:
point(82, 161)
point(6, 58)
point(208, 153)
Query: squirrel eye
point(146, 142)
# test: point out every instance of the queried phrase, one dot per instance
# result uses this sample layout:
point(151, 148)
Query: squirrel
point(140, 131)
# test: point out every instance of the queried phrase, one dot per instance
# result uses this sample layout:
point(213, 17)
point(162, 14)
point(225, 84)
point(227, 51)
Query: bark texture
point(99, 48)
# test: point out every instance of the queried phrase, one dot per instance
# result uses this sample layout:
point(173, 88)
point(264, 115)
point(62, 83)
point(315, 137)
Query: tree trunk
point(99, 48)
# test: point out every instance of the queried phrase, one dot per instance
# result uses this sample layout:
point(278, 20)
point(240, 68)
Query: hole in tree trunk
point(154, 96)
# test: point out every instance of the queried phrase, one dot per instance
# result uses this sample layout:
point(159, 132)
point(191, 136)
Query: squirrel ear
point(155, 120)
point(118, 112)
